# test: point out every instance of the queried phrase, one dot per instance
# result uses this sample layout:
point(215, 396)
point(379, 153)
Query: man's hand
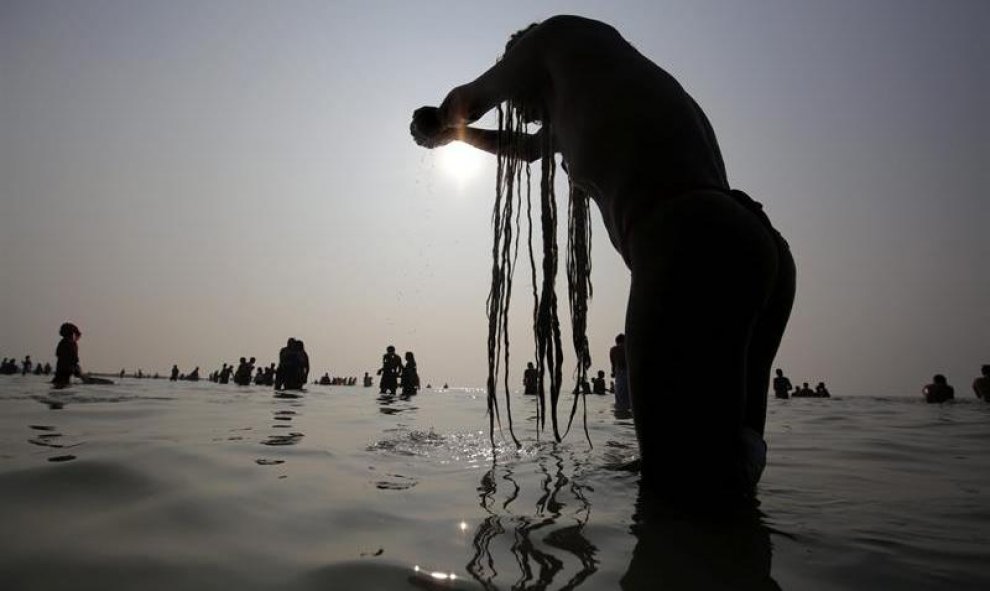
point(428, 130)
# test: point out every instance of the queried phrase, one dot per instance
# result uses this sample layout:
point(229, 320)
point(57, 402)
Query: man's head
point(940, 379)
point(69, 330)
point(985, 370)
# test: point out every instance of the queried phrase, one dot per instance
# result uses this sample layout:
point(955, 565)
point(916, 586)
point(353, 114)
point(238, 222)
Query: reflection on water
point(49, 437)
point(541, 542)
point(540, 539)
point(675, 550)
point(283, 418)
point(390, 404)
point(896, 502)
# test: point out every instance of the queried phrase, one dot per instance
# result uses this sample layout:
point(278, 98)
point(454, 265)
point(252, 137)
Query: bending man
point(712, 281)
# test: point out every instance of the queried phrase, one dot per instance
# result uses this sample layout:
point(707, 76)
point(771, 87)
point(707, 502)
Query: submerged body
point(712, 282)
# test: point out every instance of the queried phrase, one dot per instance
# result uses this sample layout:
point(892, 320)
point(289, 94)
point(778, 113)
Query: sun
point(461, 161)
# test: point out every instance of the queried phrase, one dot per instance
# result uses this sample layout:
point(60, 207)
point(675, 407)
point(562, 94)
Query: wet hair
point(939, 379)
point(390, 349)
point(513, 193)
point(68, 329)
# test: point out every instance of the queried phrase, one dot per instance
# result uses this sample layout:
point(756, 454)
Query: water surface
point(157, 485)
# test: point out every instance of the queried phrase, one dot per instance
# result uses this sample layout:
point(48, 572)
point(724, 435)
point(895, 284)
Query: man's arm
point(488, 140)
point(520, 72)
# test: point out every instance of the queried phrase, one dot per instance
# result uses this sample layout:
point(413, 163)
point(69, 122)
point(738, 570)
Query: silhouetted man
point(712, 282)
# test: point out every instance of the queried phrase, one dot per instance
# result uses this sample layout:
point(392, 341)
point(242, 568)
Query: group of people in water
point(9, 367)
point(292, 372)
point(596, 385)
point(395, 374)
point(398, 375)
point(782, 388)
point(940, 390)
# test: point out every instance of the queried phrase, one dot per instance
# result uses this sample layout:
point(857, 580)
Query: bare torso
point(629, 134)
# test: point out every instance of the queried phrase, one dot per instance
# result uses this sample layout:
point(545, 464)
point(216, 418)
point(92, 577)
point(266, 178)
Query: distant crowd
point(10, 367)
point(401, 374)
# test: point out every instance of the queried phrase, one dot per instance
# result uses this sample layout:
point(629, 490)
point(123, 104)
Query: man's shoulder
point(562, 27)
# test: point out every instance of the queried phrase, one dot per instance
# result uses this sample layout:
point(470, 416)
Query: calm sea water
point(157, 485)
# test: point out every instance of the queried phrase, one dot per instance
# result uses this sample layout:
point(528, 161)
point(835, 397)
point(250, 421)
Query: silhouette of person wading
point(712, 281)
point(390, 371)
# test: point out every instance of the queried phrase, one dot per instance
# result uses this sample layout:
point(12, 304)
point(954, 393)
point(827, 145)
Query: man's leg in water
point(702, 270)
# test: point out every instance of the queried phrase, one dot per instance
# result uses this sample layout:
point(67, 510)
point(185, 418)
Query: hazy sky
point(191, 182)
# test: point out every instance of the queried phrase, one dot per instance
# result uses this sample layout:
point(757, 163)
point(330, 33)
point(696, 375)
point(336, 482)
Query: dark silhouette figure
point(617, 357)
point(242, 377)
point(368, 380)
point(678, 550)
point(531, 379)
point(821, 391)
point(8, 367)
point(303, 361)
point(939, 390)
point(781, 385)
point(225, 372)
point(981, 385)
point(410, 377)
point(26, 365)
point(804, 391)
point(390, 371)
point(48, 368)
point(259, 377)
point(293, 366)
point(192, 377)
point(325, 380)
point(598, 383)
point(67, 355)
point(633, 140)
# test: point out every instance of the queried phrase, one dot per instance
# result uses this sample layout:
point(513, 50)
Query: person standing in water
point(67, 355)
point(390, 371)
point(782, 385)
point(410, 377)
point(939, 390)
point(531, 379)
point(617, 357)
point(633, 140)
point(981, 385)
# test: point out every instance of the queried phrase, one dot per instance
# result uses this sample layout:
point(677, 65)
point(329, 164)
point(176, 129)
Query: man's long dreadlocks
point(512, 185)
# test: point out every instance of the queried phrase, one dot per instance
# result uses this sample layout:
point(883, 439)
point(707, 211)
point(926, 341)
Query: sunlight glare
point(460, 161)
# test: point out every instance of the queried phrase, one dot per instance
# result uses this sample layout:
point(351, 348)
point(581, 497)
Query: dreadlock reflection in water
point(542, 544)
point(674, 549)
